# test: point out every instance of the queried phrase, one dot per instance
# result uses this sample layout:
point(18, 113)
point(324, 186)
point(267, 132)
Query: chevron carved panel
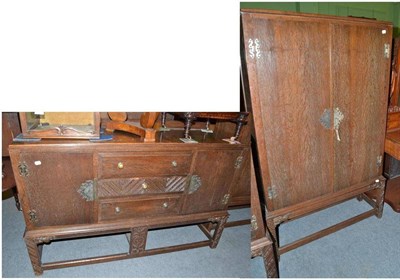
point(132, 186)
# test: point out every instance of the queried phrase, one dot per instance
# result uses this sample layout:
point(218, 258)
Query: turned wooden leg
point(380, 198)
point(138, 240)
point(218, 230)
point(34, 255)
point(189, 118)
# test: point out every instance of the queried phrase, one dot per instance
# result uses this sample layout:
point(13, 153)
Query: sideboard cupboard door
point(50, 184)
point(360, 89)
point(288, 66)
point(212, 177)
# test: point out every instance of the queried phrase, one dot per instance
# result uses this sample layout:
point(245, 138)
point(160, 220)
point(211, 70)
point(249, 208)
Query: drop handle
point(120, 165)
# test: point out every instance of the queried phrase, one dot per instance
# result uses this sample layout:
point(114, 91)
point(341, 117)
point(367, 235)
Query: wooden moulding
point(34, 239)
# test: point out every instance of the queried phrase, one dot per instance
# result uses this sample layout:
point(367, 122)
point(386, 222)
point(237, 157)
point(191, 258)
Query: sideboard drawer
point(143, 185)
point(118, 165)
point(128, 207)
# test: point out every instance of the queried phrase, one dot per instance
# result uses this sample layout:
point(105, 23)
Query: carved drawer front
point(139, 186)
point(119, 165)
point(125, 208)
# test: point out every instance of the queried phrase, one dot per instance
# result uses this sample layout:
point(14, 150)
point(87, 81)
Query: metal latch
point(86, 190)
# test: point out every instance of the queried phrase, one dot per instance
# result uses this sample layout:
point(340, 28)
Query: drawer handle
point(117, 210)
point(120, 165)
point(145, 186)
point(165, 205)
point(174, 163)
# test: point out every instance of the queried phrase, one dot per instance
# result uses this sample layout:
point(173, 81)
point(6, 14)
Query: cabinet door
point(288, 66)
point(51, 187)
point(215, 170)
point(360, 82)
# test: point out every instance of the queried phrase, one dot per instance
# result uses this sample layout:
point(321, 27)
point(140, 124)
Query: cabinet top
point(123, 140)
point(318, 17)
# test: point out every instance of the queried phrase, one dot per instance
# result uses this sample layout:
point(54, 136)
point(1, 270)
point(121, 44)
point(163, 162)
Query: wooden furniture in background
point(392, 161)
point(144, 128)
point(80, 125)
point(319, 105)
point(395, 80)
point(76, 188)
point(10, 129)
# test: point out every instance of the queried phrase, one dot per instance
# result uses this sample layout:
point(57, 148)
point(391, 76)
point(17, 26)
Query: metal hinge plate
point(272, 193)
point(86, 190)
point(254, 48)
point(225, 199)
point(379, 161)
point(195, 184)
point(238, 162)
point(23, 169)
point(387, 51)
point(254, 225)
point(32, 216)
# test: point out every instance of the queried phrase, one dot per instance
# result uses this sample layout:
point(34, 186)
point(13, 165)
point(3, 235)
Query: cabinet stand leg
point(138, 240)
point(380, 198)
point(218, 230)
point(272, 228)
point(34, 255)
point(269, 261)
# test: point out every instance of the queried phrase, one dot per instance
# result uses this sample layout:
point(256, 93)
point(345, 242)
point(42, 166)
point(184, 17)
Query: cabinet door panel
point(216, 170)
point(52, 187)
point(360, 91)
point(290, 90)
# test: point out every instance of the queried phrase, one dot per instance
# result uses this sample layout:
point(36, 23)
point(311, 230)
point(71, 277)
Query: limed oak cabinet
point(77, 188)
point(319, 91)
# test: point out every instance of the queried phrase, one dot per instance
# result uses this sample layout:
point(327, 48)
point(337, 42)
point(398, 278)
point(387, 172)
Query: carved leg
point(34, 255)
point(269, 261)
point(138, 240)
point(218, 231)
point(380, 198)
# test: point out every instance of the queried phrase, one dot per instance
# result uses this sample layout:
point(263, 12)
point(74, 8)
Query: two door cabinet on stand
point(80, 188)
point(319, 91)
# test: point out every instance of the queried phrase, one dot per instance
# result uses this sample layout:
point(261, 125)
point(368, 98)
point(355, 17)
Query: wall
point(388, 11)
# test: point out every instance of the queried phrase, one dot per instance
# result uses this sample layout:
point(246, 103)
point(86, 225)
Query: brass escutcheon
point(120, 165)
point(174, 163)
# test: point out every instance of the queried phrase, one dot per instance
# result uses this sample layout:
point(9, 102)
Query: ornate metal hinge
point(254, 48)
point(32, 216)
point(379, 161)
point(225, 199)
point(254, 225)
point(386, 51)
point(238, 162)
point(23, 169)
point(272, 193)
point(86, 190)
point(195, 183)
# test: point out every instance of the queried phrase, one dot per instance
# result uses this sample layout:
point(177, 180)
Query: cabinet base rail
point(35, 239)
point(361, 192)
